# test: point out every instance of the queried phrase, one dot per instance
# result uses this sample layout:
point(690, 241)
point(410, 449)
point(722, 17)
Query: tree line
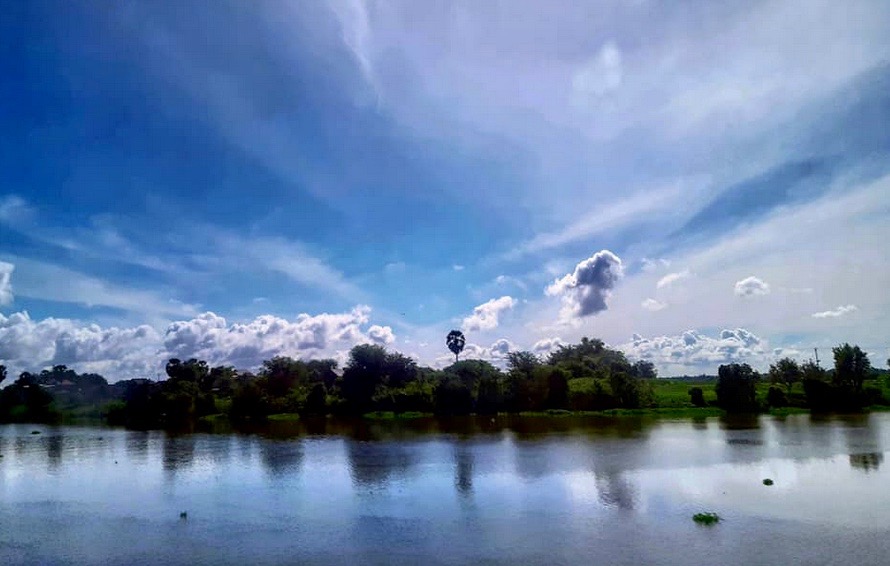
point(587, 376)
point(841, 388)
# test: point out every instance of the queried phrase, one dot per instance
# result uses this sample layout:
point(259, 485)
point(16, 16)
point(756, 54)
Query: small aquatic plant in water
point(767, 481)
point(706, 518)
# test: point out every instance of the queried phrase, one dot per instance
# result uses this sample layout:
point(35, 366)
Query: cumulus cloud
point(836, 313)
point(653, 305)
point(6, 282)
point(751, 286)
point(694, 349)
point(584, 291)
point(26, 344)
point(500, 348)
point(141, 351)
point(486, 316)
point(381, 335)
point(496, 353)
point(672, 278)
point(210, 337)
point(457, 267)
point(547, 345)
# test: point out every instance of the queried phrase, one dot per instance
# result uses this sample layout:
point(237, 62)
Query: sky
point(695, 183)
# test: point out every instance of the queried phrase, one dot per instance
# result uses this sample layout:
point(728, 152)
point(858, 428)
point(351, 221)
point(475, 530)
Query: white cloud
point(601, 219)
point(210, 251)
point(38, 280)
point(585, 290)
point(509, 280)
point(500, 348)
point(780, 248)
point(677, 85)
point(836, 313)
point(381, 335)
point(672, 278)
point(26, 344)
point(457, 267)
point(210, 337)
point(751, 286)
point(355, 29)
point(547, 345)
point(648, 264)
point(486, 316)
point(6, 270)
point(13, 210)
point(653, 305)
point(694, 351)
point(141, 351)
point(100, 240)
point(496, 353)
point(290, 258)
point(599, 76)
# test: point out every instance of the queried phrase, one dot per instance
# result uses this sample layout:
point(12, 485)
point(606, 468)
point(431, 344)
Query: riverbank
point(668, 399)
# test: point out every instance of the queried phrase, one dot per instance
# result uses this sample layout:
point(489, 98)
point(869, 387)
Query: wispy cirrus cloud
point(673, 278)
point(49, 282)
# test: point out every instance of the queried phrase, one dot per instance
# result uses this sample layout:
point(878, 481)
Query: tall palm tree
point(455, 342)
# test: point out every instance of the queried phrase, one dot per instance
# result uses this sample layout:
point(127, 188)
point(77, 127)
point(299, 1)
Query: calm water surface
point(520, 491)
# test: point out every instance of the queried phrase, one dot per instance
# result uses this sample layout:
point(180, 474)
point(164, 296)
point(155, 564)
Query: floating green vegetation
point(664, 412)
point(390, 415)
point(767, 481)
point(284, 417)
point(210, 419)
point(785, 411)
point(706, 518)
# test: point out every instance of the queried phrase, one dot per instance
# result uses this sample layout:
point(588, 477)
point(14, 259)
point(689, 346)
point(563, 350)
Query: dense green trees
point(851, 367)
point(588, 376)
point(697, 396)
point(25, 401)
point(735, 388)
point(785, 372)
point(842, 388)
point(371, 376)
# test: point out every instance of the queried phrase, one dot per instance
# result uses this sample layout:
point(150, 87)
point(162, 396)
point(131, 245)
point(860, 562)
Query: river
point(469, 491)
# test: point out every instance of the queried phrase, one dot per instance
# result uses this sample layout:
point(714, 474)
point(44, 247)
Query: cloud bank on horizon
point(531, 174)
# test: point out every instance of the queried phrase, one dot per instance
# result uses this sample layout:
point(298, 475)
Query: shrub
point(820, 395)
point(735, 388)
point(697, 397)
point(706, 518)
point(776, 397)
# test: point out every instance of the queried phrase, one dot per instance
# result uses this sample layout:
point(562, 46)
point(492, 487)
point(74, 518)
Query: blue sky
point(694, 183)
